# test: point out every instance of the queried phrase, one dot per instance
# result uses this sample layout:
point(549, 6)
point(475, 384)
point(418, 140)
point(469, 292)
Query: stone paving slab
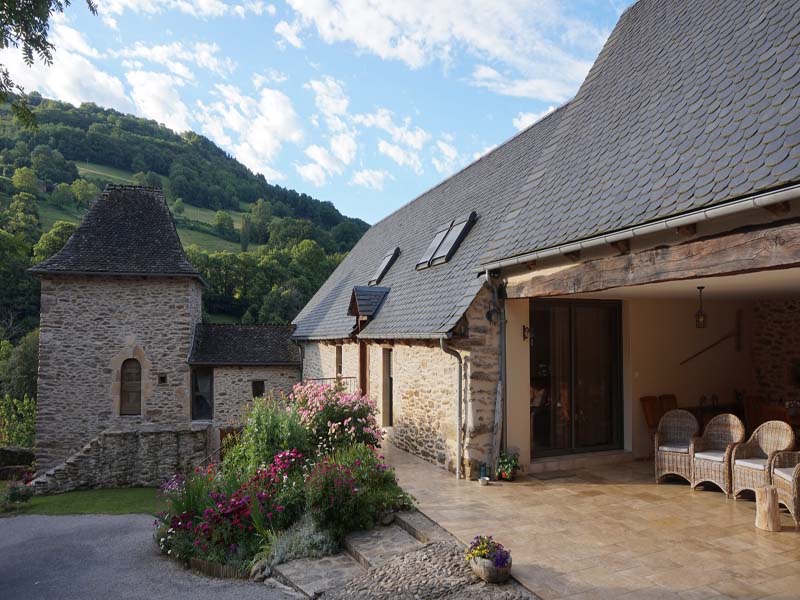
point(421, 527)
point(375, 546)
point(312, 576)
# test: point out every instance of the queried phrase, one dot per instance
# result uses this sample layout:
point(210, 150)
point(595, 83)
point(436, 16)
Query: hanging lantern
point(700, 318)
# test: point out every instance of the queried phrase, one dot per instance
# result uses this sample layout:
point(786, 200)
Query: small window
point(162, 379)
point(258, 389)
point(202, 394)
point(130, 401)
point(453, 239)
point(425, 261)
point(387, 262)
point(339, 366)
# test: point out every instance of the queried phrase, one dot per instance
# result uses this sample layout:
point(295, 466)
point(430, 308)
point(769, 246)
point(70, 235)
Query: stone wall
point(145, 456)
point(426, 389)
point(319, 359)
point(776, 348)
point(233, 389)
point(89, 326)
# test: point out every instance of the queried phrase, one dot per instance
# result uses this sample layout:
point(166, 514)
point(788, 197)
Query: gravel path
point(91, 557)
point(437, 570)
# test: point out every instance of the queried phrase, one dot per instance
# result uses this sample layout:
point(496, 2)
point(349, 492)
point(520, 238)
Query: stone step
point(421, 527)
point(314, 576)
point(375, 546)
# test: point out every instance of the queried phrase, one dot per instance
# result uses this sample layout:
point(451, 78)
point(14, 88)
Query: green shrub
point(304, 539)
point(351, 490)
point(270, 427)
point(17, 421)
point(16, 494)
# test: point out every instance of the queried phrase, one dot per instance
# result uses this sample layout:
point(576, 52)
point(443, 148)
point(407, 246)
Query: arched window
point(130, 401)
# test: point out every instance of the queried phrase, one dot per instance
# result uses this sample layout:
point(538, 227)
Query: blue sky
point(360, 102)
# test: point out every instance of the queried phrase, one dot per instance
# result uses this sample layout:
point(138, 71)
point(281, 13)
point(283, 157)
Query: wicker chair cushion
point(674, 448)
point(752, 463)
point(712, 455)
point(784, 473)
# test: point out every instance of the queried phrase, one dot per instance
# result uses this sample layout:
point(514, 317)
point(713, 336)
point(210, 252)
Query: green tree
point(223, 223)
point(260, 217)
point(18, 372)
point(26, 25)
point(62, 195)
point(244, 233)
point(178, 207)
point(286, 232)
point(50, 165)
point(148, 179)
point(83, 192)
point(22, 217)
point(25, 180)
point(19, 292)
point(52, 241)
point(17, 421)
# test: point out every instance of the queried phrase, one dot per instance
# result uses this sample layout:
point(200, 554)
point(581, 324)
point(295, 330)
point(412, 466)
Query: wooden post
point(768, 517)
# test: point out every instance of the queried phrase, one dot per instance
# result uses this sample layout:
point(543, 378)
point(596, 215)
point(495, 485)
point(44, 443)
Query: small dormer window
point(386, 263)
point(446, 242)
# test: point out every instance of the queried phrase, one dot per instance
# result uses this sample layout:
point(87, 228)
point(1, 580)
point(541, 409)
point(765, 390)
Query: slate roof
point(366, 300)
point(127, 231)
point(689, 105)
point(243, 345)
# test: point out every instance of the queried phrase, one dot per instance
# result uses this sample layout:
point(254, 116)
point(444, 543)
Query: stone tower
point(119, 304)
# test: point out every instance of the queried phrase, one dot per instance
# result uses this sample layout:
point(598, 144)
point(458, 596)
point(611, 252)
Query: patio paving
point(611, 532)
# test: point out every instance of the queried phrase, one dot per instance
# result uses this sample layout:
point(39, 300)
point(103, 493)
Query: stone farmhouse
point(132, 386)
point(641, 240)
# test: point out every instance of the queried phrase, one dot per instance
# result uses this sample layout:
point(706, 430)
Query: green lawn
point(50, 213)
point(206, 215)
point(110, 173)
point(206, 241)
point(109, 502)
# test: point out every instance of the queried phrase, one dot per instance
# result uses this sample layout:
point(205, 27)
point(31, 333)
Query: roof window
point(387, 262)
point(446, 242)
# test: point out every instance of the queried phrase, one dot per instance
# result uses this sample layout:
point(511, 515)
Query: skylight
point(446, 242)
point(387, 262)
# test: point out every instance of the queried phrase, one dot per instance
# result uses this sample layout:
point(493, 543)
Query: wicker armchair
point(712, 451)
point(672, 440)
point(786, 479)
point(752, 461)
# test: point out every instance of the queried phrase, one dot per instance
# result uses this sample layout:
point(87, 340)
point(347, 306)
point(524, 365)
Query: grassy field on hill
point(87, 169)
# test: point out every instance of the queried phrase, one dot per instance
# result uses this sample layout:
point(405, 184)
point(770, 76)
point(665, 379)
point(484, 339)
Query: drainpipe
point(445, 348)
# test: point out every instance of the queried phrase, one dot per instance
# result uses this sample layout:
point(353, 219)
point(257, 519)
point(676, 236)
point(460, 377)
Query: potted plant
point(489, 559)
point(507, 466)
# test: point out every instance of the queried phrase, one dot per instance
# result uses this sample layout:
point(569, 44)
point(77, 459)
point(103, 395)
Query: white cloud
point(175, 55)
point(371, 178)
point(404, 158)
point(269, 76)
point(523, 120)
point(271, 10)
point(536, 88)
point(109, 10)
point(313, 173)
point(331, 100)
point(254, 128)
point(71, 78)
point(447, 157)
point(289, 33)
point(547, 55)
point(156, 97)
point(344, 147)
point(383, 119)
point(67, 39)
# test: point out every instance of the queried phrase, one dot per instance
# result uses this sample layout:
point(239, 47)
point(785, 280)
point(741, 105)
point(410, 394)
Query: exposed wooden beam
point(687, 230)
point(781, 209)
point(746, 250)
point(622, 246)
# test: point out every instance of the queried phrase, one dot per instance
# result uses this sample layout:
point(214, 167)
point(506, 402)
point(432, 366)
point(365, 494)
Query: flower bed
point(332, 480)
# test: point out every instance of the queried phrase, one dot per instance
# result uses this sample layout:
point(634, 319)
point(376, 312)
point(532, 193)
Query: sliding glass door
point(576, 401)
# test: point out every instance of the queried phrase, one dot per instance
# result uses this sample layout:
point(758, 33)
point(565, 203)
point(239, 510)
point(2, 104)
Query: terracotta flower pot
point(485, 569)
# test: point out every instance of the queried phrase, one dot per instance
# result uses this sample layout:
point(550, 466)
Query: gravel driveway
point(101, 556)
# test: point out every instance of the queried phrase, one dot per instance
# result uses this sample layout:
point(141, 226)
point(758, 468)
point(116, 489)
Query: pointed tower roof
point(127, 231)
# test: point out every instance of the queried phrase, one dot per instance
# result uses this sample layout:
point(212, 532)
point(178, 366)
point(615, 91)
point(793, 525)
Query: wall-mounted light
point(700, 318)
point(526, 332)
